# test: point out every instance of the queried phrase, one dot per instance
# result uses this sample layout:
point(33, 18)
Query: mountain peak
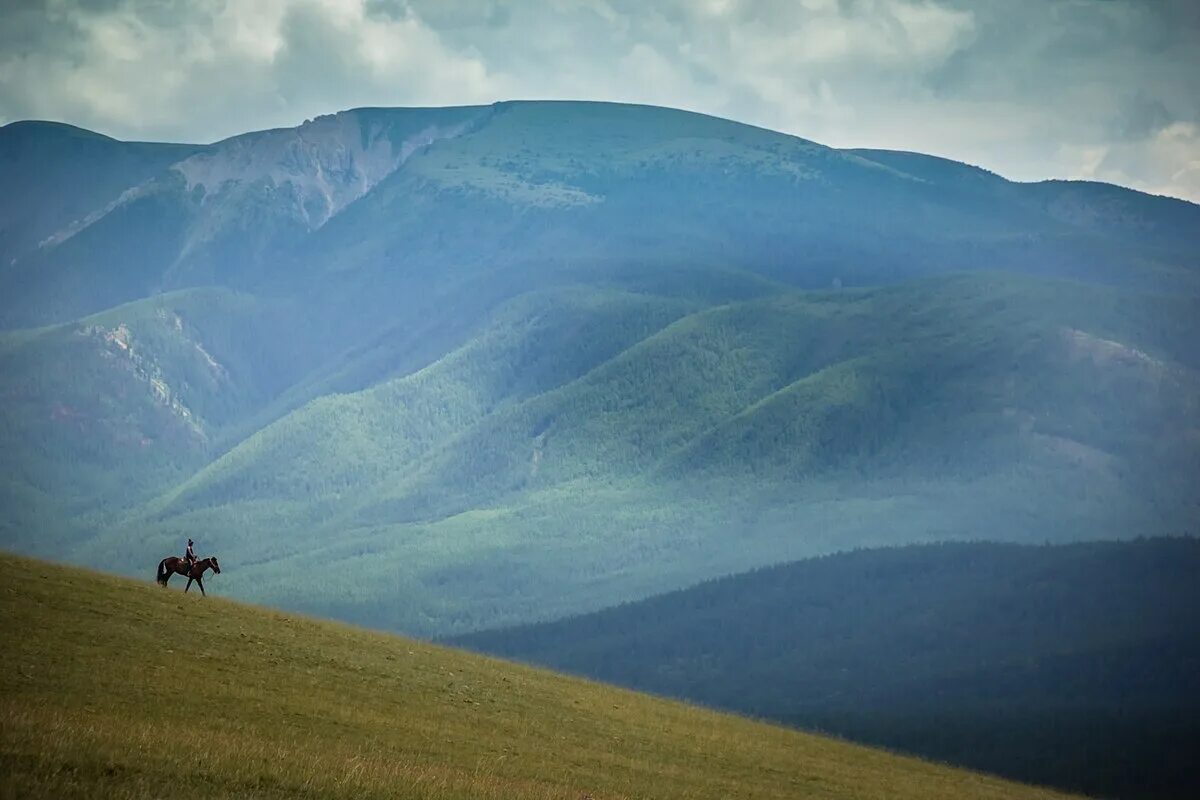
point(43, 128)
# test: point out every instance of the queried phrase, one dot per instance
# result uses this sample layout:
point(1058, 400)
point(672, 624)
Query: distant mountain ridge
point(499, 363)
point(220, 208)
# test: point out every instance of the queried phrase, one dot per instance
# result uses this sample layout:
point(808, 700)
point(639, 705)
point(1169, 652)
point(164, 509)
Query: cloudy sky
point(1103, 89)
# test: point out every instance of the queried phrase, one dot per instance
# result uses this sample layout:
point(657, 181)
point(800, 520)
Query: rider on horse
point(189, 567)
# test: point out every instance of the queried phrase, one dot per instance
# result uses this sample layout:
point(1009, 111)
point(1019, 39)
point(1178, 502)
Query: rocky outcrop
point(324, 164)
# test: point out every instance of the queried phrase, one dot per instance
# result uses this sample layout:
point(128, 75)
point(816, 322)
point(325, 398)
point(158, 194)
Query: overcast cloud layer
point(1102, 89)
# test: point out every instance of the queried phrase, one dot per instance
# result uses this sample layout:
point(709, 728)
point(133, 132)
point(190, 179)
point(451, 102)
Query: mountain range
point(437, 370)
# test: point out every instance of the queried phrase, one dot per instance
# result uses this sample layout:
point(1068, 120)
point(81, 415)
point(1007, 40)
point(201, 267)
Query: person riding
point(190, 555)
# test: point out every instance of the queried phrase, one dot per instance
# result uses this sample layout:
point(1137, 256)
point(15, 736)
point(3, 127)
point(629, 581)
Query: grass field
point(113, 688)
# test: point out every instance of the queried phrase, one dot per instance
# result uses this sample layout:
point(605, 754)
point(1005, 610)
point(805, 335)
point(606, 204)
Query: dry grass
point(111, 688)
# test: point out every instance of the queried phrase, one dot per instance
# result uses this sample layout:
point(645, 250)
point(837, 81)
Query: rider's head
point(190, 541)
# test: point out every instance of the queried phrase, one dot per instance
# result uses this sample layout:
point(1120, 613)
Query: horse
point(173, 565)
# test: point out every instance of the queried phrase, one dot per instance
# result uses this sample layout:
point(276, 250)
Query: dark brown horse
point(172, 565)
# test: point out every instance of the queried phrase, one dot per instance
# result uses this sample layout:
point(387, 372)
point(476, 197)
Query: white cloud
point(1029, 88)
point(224, 67)
point(1166, 163)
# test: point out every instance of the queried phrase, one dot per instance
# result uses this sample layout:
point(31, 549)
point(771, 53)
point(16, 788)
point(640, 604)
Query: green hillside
point(497, 364)
point(986, 655)
point(111, 688)
point(589, 447)
point(111, 409)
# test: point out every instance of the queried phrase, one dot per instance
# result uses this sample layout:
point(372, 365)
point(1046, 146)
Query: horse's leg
point(200, 583)
point(188, 586)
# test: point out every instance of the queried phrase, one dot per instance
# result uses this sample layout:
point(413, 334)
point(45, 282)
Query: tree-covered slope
point(112, 408)
point(1070, 665)
point(591, 446)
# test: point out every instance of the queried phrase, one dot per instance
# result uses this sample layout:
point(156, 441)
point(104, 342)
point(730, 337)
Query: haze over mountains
point(442, 369)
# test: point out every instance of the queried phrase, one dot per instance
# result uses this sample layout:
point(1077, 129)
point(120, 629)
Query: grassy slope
point(113, 689)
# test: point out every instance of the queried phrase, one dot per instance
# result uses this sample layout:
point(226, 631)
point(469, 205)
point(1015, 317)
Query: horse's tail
point(162, 572)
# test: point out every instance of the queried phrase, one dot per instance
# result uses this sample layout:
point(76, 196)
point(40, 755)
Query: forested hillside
point(1072, 665)
point(437, 370)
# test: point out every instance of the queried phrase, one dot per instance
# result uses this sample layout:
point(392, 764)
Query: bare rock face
point(287, 178)
point(323, 165)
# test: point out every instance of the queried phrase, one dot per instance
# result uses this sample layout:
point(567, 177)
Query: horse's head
point(216, 567)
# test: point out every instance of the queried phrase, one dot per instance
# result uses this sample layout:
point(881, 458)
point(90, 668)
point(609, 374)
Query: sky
point(1097, 89)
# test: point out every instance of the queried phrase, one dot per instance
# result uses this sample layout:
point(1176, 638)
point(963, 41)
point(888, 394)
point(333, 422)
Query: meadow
point(119, 689)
